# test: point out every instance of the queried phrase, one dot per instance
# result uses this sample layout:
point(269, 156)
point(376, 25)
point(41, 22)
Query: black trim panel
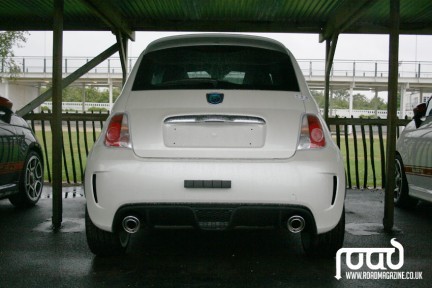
point(209, 184)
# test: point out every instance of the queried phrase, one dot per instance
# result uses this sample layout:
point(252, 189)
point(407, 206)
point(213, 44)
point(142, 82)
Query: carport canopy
point(327, 18)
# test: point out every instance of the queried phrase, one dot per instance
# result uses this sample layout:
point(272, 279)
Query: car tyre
point(104, 243)
point(401, 196)
point(324, 245)
point(31, 182)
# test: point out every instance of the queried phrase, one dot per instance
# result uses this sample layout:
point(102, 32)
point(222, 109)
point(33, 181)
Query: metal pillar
point(402, 110)
point(56, 122)
point(376, 102)
point(350, 106)
point(351, 100)
point(330, 52)
point(388, 220)
point(83, 97)
point(110, 93)
point(122, 42)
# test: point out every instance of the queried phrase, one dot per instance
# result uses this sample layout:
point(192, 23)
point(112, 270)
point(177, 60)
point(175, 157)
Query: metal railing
point(356, 113)
point(309, 67)
point(362, 143)
point(80, 132)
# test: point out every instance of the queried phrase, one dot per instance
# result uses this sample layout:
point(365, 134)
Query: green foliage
point(91, 94)
point(9, 39)
point(340, 100)
point(319, 97)
point(97, 109)
point(44, 109)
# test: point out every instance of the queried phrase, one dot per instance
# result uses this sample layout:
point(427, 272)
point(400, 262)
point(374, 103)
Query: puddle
point(367, 229)
point(67, 192)
point(69, 225)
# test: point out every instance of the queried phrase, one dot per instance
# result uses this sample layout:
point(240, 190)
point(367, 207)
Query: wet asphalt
point(32, 255)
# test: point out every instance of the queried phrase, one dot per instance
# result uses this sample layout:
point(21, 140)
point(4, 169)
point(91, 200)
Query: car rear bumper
point(208, 216)
point(266, 191)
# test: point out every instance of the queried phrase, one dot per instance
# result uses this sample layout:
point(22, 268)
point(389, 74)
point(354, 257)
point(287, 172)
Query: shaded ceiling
point(301, 16)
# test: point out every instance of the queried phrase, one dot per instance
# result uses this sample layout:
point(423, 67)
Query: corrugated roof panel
point(216, 15)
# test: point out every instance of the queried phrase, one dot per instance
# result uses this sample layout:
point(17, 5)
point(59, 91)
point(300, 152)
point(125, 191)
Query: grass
point(75, 154)
point(364, 162)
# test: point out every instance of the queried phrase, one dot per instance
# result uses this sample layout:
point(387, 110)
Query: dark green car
point(21, 162)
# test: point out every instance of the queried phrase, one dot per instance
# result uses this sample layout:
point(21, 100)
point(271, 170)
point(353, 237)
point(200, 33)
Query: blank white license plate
point(214, 135)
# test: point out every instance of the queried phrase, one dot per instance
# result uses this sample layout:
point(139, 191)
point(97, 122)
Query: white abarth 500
point(215, 132)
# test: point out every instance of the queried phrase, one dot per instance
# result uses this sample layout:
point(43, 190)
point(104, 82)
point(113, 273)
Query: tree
point(360, 101)
point(378, 103)
point(92, 94)
point(340, 100)
point(319, 97)
point(9, 39)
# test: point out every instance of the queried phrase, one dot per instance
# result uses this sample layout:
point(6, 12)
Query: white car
point(215, 132)
point(414, 159)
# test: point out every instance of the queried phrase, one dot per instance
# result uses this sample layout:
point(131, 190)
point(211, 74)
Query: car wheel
point(104, 243)
point(401, 196)
point(324, 245)
point(31, 182)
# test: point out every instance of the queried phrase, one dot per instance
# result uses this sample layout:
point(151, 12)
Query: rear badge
point(215, 98)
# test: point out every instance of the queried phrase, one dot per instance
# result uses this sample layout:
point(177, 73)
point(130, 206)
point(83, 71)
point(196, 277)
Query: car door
point(419, 167)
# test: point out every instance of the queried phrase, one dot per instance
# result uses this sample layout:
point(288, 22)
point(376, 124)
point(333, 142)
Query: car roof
point(215, 39)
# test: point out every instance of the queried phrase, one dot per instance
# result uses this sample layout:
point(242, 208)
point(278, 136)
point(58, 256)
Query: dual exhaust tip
point(131, 224)
point(296, 224)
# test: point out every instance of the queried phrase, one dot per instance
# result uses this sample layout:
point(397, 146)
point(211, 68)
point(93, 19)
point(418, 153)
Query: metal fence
point(362, 143)
point(310, 67)
point(80, 132)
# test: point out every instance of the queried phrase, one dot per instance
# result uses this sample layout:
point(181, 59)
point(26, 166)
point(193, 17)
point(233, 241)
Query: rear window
point(216, 67)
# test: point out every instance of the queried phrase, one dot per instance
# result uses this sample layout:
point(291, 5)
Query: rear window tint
point(216, 67)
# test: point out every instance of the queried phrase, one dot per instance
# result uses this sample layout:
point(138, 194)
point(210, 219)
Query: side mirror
point(5, 103)
point(419, 112)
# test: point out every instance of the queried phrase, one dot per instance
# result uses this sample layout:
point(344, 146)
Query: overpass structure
point(370, 76)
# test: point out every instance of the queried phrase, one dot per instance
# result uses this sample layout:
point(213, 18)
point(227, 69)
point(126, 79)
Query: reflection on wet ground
point(67, 192)
point(33, 255)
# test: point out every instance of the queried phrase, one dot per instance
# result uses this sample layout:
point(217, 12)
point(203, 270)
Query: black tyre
point(30, 183)
point(103, 243)
point(401, 196)
point(324, 245)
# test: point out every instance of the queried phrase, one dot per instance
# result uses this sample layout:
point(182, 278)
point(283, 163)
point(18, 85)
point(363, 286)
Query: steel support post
point(388, 220)
point(122, 43)
point(330, 52)
point(56, 122)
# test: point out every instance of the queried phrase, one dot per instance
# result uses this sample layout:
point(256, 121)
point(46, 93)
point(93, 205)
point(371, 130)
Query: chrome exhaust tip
point(296, 224)
point(131, 224)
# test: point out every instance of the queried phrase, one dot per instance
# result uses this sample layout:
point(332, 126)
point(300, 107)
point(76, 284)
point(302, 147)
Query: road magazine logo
point(384, 268)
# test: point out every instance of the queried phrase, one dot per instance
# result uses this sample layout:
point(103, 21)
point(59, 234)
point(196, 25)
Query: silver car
point(414, 159)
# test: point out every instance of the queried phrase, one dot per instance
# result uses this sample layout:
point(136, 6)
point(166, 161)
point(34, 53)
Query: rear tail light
point(311, 134)
point(117, 133)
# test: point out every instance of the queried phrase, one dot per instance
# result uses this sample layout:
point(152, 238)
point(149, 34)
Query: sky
point(303, 46)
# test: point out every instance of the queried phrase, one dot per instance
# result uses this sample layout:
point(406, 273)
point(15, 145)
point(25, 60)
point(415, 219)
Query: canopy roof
point(311, 16)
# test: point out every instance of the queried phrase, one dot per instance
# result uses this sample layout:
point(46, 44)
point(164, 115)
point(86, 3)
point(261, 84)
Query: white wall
point(20, 95)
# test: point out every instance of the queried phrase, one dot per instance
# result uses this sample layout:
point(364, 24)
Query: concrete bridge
point(366, 77)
